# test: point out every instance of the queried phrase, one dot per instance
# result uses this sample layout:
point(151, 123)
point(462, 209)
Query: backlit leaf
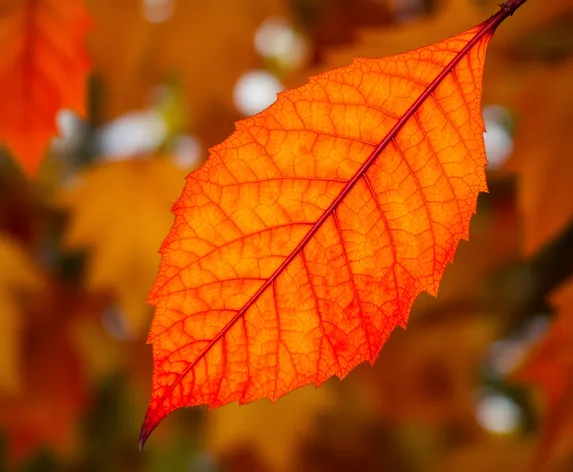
point(43, 69)
point(304, 240)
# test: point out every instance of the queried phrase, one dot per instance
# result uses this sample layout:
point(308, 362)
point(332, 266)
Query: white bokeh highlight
point(132, 134)
point(157, 11)
point(498, 414)
point(498, 140)
point(187, 152)
point(255, 91)
point(276, 39)
point(71, 132)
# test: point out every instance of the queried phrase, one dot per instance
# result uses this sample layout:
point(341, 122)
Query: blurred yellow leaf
point(18, 275)
point(120, 211)
point(273, 429)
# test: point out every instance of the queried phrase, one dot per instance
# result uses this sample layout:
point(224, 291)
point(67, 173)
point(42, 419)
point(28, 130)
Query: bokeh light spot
point(157, 11)
point(187, 152)
point(498, 140)
point(71, 131)
point(498, 414)
point(132, 134)
point(255, 91)
point(276, 39)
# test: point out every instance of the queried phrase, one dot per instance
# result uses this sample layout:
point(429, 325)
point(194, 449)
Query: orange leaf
point(304, 240)
point(43, 69)
point(550, 367)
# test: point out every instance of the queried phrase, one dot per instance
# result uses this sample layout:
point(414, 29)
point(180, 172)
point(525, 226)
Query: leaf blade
point(242, 213)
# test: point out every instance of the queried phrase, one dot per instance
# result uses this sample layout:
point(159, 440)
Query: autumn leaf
point(122, 226)
point(304, 240)
point(550, 368)
point(43, 69)
point(18, 275)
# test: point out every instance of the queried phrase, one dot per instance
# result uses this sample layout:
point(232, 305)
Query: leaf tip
point(146, 429)
point(142, 439)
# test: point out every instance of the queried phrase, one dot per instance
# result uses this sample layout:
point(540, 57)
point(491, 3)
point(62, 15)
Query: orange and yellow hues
point(43, 68)
point(306, 237)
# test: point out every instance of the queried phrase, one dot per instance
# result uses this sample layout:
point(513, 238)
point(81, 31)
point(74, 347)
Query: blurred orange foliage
point(481, 378)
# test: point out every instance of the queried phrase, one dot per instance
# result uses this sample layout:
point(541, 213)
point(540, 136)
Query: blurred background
point(481, 380)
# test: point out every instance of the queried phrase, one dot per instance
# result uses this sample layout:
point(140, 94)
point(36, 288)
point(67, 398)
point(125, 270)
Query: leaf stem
point(510, 6)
